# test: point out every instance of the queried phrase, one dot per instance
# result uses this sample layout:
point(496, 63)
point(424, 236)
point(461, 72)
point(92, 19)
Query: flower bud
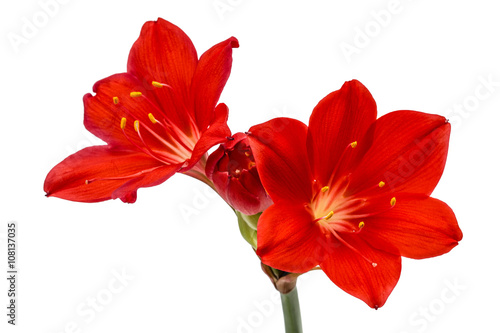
point(232, 170)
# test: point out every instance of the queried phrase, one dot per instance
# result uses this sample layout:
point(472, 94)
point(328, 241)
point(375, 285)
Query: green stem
point(291, 312)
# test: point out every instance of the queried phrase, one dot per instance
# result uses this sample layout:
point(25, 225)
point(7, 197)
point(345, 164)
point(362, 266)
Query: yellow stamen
point(135, 94)
point(86, 182)
point(247, 154)
point(361, 224)
point(115, 100)
point(324, 189)
point(393, 201)
point(329, 215)
point(152, 118)
point(237, 171)
point(354, 144)
point(381, 184)
point(251, 165)
point(157, 84)
point(136, 125)
point(123, 123)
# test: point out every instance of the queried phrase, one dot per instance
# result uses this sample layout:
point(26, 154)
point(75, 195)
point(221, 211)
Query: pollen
point(136, 125)
point(381, 184)
point(152, 118)
point(157, 84)
point(393, 201)
point(87, 182)
point(123, 123)
point(135, 94)
point(374, 264)
point(247, 154)
point(324, 189)
point(329, 215)
point(251, 165)
point(116, 100)
point(361, 224)
point(354, 144)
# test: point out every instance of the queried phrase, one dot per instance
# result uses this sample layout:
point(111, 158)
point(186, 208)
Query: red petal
point(287, 239)
point(339, 119)
point(212, 163)
point(148, 179)
point(98, 165)
point(164, 53)
point(417, 226)
point(209, 79)
point(408, 153)
point(356, 275)
point(216, 133)
point(279, 148)
point(250, 180)
point(240, 198)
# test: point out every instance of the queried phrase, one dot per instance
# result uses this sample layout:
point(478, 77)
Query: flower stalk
point(291, 311)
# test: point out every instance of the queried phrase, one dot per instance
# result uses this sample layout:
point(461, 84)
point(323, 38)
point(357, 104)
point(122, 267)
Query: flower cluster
point(349, 193)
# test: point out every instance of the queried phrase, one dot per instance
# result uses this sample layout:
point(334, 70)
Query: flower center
point(337, 214)
point(237, 159)
point(157, 136)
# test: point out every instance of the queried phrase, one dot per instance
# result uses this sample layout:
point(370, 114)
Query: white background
point(192, 272)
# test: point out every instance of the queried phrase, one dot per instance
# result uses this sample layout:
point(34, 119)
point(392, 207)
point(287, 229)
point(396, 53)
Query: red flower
point(157, 119)
point(232, 170)
point(351, 192)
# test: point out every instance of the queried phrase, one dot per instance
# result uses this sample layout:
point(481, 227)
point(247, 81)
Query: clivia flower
point(158, 118)
point(352, 192)
point(232, 170)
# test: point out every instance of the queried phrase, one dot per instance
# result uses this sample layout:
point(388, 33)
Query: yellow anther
point(237, 171)
point(354, 144)
point(361, 224)
point(136, 125)
point(381, 184)
point(116, 100)
point(247, 154)
point(86, 182)
point(157, 84)
point(152, 118)
point(329, 215)
point(251, 165)
point(135, 94)
point(324, 189)
point(393, 201)
point(123, 123)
